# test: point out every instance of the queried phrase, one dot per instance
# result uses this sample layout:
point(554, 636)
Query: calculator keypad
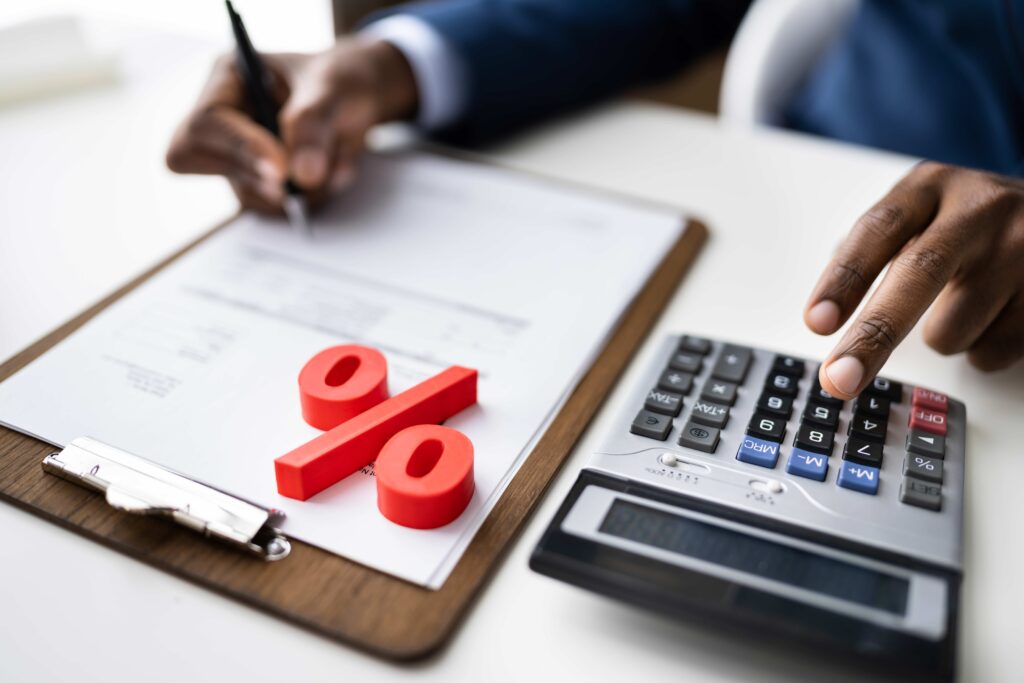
point(812, 444)
point(754, 430)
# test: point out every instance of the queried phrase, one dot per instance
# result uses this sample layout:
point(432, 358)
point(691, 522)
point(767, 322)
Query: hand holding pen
point(323, 106)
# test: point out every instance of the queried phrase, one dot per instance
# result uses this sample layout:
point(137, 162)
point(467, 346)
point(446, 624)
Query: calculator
point(734, 489)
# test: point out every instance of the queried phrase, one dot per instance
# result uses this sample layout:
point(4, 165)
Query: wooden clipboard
point(312, 587)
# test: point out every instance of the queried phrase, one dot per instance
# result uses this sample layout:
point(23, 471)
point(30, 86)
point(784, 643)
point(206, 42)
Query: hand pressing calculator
point(734, 488)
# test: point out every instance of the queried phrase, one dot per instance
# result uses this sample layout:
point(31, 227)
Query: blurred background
point(93, 89)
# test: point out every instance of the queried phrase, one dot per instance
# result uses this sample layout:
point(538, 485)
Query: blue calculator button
point(758, 452)
point(858, 478)
point(806, 464)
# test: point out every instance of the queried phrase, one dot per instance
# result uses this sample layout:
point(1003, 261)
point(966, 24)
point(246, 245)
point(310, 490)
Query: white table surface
point(85, 204)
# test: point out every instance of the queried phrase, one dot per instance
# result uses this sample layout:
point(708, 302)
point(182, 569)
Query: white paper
point(435, 262)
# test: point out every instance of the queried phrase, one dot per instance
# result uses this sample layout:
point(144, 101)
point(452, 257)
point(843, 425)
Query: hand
point(328, 101)
point(950, 235)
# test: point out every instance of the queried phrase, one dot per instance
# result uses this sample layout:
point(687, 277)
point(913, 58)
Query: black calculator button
point(775, 404)
point(822, 396)
point(732, 363)
point(699, 437)
point(767, 428)
point(719, 391)
point(923, 467)
point(686, 362)
point(921, 494)
point(788, 365)
point(661, 401)
point(821, 415)
point(674, 380)
point(926, 443)
point(870, 404)
point(651, 425)
point(863, 452)
point(886, 388)
point(709, 413)
point(781, 384)
point(868, 427)
point(698, 345)
point(814, 438)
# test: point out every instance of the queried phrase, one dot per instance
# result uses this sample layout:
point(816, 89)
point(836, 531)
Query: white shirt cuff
point(438, 70)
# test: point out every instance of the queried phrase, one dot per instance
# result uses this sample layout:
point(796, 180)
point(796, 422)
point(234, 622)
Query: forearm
point(519, 61)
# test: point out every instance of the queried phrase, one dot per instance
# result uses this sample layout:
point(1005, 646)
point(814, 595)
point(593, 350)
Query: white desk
point(85, 204)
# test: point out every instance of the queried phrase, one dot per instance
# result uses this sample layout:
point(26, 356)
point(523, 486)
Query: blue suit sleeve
point(530, 59)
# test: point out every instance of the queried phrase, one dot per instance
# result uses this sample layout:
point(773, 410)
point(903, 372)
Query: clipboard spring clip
point(136, 485)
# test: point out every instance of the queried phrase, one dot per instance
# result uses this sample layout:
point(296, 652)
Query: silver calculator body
point(743, 492)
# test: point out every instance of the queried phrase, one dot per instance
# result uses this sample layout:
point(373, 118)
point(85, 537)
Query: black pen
point(265, 112)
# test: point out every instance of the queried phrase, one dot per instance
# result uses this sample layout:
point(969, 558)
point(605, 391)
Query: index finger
point(913, 281)
point(874, 240)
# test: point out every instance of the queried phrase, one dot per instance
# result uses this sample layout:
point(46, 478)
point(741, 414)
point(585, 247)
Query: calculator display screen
point(756, 556)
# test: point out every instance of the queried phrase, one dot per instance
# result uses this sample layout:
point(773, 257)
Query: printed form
point(433, 261)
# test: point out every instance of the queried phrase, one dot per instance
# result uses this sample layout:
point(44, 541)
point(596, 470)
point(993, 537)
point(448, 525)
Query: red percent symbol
point(424, 471)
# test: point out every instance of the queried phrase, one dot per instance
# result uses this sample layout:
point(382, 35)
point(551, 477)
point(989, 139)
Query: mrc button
point(758, 452)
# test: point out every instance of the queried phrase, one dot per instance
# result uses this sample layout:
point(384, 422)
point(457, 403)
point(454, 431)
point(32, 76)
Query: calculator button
point(886, 388)
point(822, 396)
point(863, 452)
point(758, 452)
point(686, 362)
point(923, 467)
point(921, 494)
point(928, 420)
point(673, 380)
point(808, 465)
point(930, 400)
point(926, 443)
point(769, 428)
point(775, 404)
point(719, 392)
point(868, 427)
point(698, 345)
point(709, 413)
point(856, 477)
point(732, 364)
point(814, 438)
point(788, 365)
point(821, 414)
point(651, 425)
point(666, 402)
point(781, 384)
point(699, 437)
point(869, 404)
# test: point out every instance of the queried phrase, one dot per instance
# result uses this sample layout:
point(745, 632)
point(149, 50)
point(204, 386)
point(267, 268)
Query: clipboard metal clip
point(136, 485)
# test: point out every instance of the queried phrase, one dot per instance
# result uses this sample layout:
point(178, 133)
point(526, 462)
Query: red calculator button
point(930, 400)
point(928, 420)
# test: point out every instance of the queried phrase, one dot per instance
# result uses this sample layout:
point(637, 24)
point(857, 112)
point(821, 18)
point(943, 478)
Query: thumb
point(309, 131)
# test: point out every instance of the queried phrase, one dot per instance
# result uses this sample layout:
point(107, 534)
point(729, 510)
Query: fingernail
point(342, 178)
point(272, 191)
point(268, 172)
point(309, 166)
point(823, 317)
point(846, 374)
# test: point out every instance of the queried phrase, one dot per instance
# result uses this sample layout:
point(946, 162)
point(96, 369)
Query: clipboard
point(313, 588)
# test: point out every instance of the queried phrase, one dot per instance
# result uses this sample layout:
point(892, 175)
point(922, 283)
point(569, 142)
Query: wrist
point(397, 94)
